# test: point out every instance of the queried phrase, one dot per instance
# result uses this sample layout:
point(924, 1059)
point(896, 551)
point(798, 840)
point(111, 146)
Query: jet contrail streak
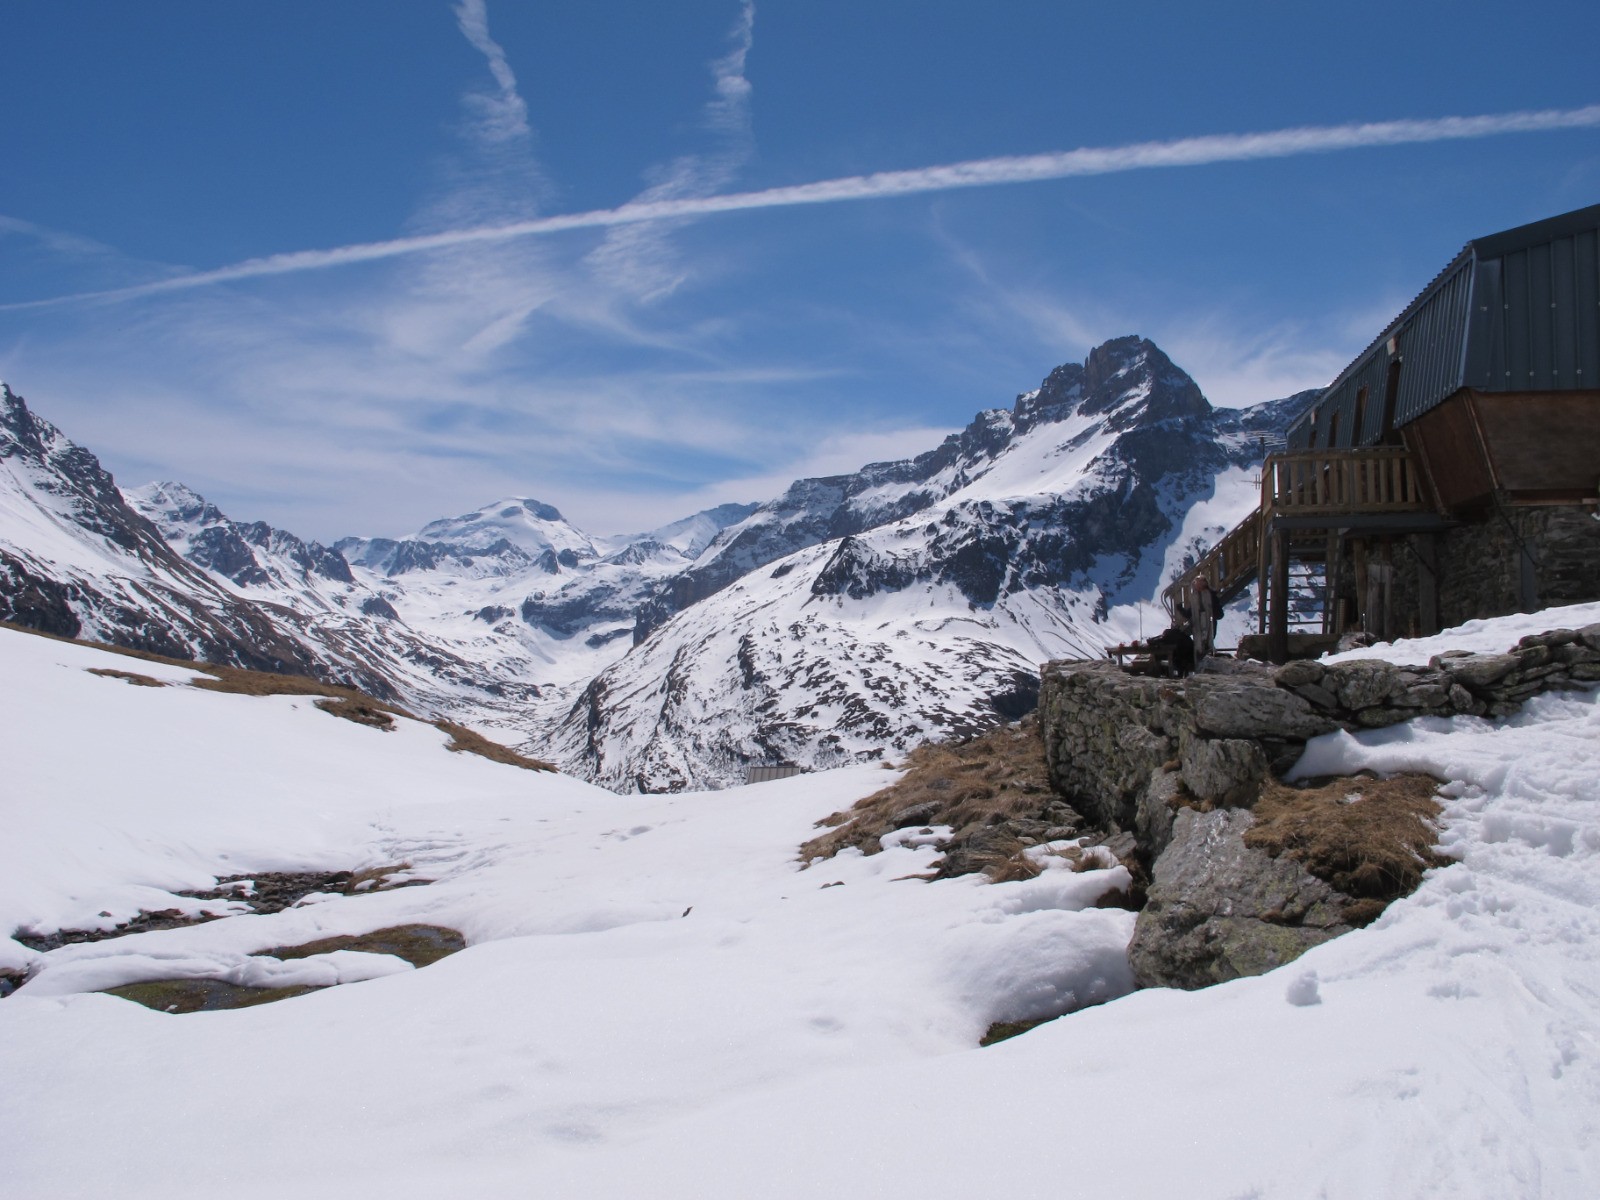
point(985, 172)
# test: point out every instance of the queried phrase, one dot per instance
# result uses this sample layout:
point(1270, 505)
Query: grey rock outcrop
point(1176, 765)
point(1219, 910)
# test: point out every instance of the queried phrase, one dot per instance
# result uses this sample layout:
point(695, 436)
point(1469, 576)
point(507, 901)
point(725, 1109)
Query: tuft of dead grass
point(1368, 837)
point(132, 677)
point(464, 740)
point(992, 791)
point(359, 711)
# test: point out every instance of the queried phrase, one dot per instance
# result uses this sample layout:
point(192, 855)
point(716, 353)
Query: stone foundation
point(1155, 759)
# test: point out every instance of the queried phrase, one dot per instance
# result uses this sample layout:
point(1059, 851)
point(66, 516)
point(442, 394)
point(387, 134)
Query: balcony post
point(1278, 599)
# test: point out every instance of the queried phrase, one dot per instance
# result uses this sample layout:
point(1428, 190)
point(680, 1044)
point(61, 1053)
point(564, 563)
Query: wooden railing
point(1308, 483)
point(1315, 482)
point(1230, 565)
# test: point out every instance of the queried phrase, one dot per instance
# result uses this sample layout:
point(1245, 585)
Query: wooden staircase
point(1310, 501)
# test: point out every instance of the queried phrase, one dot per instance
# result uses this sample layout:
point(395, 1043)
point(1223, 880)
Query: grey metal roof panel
point(1537, 232)
point(1518, 310)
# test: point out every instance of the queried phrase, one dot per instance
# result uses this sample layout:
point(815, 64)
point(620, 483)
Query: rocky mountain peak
point(1132, 381)
point(175, 501)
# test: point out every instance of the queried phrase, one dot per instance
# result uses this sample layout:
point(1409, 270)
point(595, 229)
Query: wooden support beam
point(1426, 547)
point(1278, 603)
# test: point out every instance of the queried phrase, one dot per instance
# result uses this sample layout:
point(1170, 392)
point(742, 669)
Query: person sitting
point(1174, 648)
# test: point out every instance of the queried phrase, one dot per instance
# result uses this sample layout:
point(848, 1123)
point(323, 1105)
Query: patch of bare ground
point(1001, 1030)
point(469, 741)
point(419, 945)
point(202, 995)
point(130, 676)
point(263, 892)
point(1368, 837)
point(337, 699)
point(993, 793)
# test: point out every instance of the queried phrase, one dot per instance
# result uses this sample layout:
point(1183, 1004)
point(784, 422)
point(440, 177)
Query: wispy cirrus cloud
point(56, 240)
point(977, 173)
point(638, 259)
point(503, 112)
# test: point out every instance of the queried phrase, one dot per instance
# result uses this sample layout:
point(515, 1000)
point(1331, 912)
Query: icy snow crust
point(657, 1001)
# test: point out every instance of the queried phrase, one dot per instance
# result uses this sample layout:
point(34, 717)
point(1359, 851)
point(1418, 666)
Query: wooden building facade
point(1452, 470)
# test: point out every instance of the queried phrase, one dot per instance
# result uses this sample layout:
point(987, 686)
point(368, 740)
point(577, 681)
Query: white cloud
point(638, 260)
point(990, 172)
point(504, 113)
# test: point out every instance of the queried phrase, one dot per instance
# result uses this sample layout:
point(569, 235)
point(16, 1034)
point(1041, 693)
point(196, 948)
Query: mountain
point(841, 621)
point(474, 616)
point(856, 615)
point(77, 560)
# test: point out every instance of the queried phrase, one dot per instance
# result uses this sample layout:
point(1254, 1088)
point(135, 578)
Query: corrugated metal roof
point(1514, 311)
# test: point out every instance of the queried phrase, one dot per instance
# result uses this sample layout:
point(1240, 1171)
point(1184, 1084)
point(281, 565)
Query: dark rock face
point(566, 615)
point(1168, 437)
point(162, 604)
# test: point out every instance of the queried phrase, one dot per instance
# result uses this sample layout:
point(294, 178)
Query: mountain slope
point(654, 1001)
point(917, 598)
point(77, 560)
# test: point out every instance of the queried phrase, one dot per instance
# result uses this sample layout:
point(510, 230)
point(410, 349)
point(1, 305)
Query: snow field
point(632, 958)
point(657, 1002)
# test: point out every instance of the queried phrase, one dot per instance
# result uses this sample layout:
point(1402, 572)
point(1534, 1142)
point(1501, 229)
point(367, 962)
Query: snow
point(1494, 636)
point(657, 1000)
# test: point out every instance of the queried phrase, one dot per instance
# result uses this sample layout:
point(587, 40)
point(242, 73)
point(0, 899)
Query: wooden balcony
point(1383, 479)
point(1305, 494)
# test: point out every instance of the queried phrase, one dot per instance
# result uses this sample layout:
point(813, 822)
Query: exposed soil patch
point(10, 981)
point(201, 995)
point(992, 791)
point(419, 945)
point(1001, 1030)
point(132, 677)
point(264, 892)
point(1370, 838)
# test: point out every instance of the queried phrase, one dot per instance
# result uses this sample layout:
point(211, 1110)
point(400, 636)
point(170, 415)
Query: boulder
point(1257, 711)
point(1219, 910)
point(1476, 671)
point(1362, 683)
point(1225, 771)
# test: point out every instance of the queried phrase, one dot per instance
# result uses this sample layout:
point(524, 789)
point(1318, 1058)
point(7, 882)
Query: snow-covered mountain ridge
point(836, 622)
point(856, 615)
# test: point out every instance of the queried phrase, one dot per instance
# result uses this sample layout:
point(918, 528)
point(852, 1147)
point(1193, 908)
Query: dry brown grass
point(132, 677)
point(338, 700)
point(979, 788)
point(358, 711)
point(1373, 849)
point(419, 945)
point(466, 740)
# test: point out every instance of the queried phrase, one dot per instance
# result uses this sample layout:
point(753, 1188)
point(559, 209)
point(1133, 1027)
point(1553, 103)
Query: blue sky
point(370, 368)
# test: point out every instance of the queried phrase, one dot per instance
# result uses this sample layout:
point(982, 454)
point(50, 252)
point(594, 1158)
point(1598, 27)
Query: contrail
point(984, 172)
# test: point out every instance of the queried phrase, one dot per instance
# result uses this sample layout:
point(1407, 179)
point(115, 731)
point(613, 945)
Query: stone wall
point(1480, 568)
point(1157, 758)
point(1107, 733)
